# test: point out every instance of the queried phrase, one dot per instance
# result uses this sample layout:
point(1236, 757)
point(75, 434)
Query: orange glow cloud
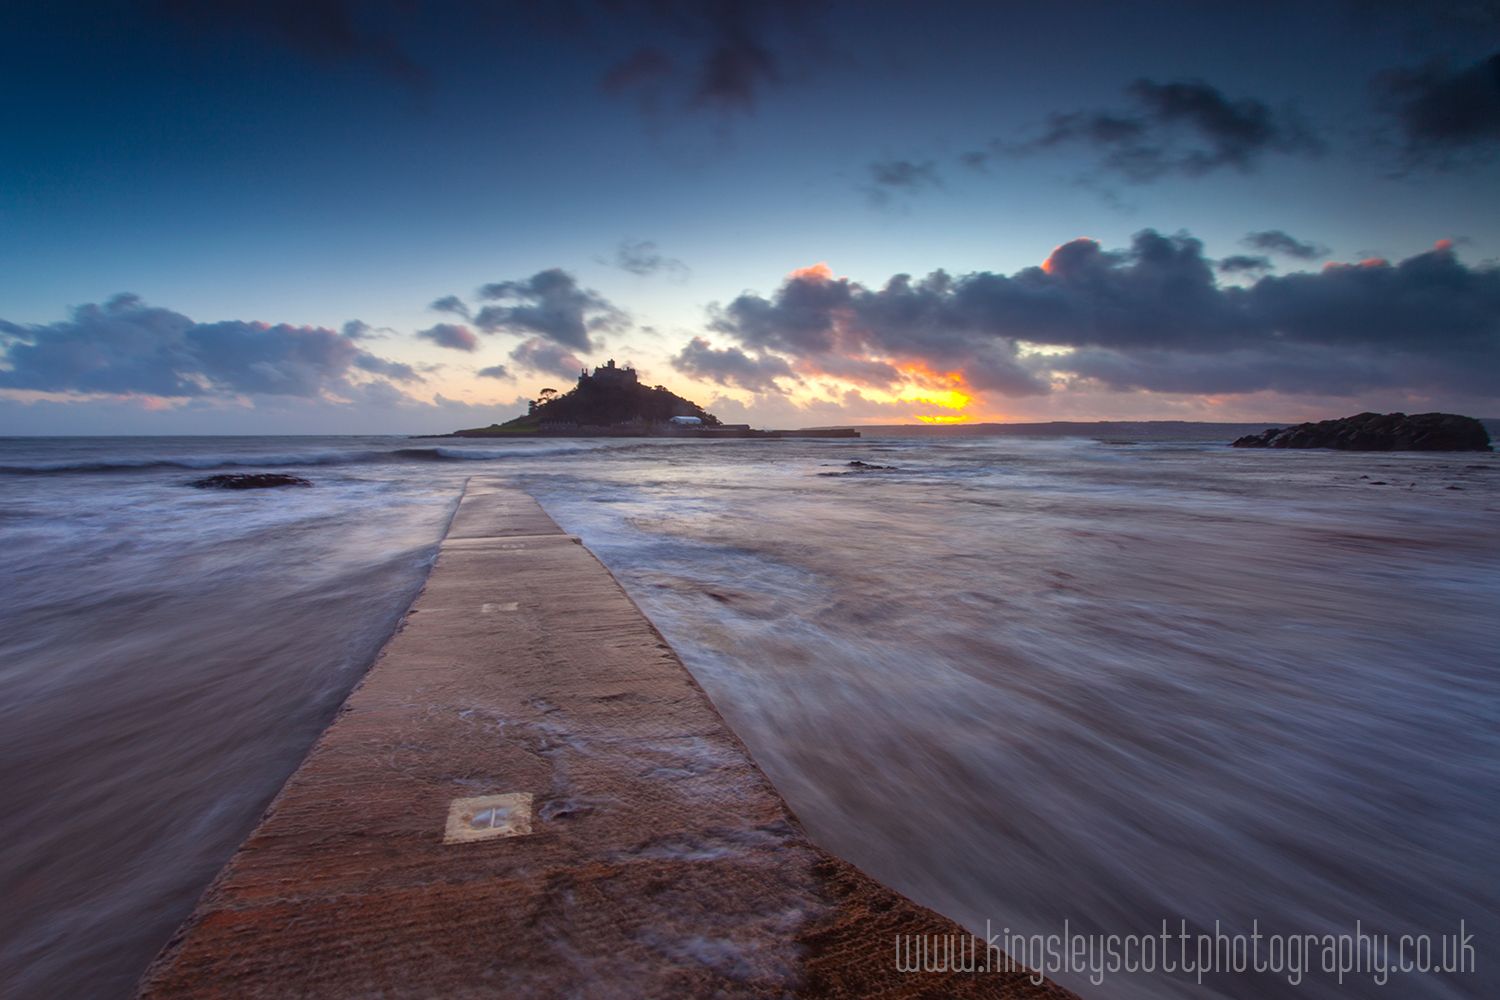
point(947, 399)
point(819, 271)
point(942, 418)
point(1047, 264)
point(935, 389)
point(922, 375)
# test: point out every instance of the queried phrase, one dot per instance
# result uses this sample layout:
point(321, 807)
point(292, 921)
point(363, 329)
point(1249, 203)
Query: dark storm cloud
point(544, 356)
point(451, 335)
point(1428, 322)
point(126, 347)
point(1442, 111)
point(550, 304)
point(640, 257)
point(732, 366)
point(494, 371)
point(1185, 127)
point(1276, 241)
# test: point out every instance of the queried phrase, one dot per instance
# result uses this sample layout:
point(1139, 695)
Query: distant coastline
point(1145, 430)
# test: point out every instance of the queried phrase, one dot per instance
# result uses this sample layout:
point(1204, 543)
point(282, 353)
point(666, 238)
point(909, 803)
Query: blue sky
point(283, 190)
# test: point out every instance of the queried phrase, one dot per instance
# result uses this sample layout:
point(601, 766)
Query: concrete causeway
point(530, 796)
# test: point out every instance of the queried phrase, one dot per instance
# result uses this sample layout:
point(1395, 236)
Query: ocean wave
point(364, 457)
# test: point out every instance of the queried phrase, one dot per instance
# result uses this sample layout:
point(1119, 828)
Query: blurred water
point(1022, 681)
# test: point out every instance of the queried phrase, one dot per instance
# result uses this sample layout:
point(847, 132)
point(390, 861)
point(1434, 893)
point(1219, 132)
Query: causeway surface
point(659, 860)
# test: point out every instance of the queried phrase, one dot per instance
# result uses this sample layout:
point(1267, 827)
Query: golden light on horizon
point(948, 399)
point(940, 389)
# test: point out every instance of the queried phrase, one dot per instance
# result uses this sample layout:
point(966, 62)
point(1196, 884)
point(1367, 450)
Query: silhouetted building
point(609, 373)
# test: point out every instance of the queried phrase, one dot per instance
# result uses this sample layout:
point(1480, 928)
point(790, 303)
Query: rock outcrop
point(1378, 432)
point(249, 481)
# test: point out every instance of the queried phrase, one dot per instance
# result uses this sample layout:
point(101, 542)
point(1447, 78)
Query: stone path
point(529, 796)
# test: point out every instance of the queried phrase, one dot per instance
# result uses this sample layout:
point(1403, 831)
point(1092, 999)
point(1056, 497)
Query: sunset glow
point(941, 389)
point(949, 400)
point(818, 272)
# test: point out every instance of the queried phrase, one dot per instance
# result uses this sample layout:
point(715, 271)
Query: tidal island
point(612, 402)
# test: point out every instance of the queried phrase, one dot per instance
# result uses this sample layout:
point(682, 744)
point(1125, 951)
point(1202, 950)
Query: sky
point(410, 216)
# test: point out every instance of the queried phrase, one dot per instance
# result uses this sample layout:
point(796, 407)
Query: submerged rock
point(1378, 432)
point(858, 468)
point(249, 481)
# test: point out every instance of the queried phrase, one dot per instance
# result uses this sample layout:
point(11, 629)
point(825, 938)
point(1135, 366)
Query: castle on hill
point(609, 373)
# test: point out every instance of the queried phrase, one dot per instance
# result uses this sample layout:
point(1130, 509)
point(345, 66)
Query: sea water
point(1032, 683)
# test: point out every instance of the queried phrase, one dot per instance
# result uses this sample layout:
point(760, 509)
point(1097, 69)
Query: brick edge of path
point(662, 863)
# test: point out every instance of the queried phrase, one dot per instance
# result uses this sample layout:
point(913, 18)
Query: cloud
point(735, 67)
point(707, 54)
point(645, 65)
point(976, 160)
point(357, 329)
point(1187, 128)
point(493, 371)
point(1240, 263)
point(125, 347)
point(549, 304)
point(863, 371)
point(1442, 112)
point(640, 257)
point(451, 304)
point(1276, 241)
point(839, 408)
point(826, 323)
point(540, 355)
point(451, 335)
point(732, 366)
point(390, 369)
point(382, 395)
point(324, 30)
point(891, 177)
point(1148, 317)
point(728, 53)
